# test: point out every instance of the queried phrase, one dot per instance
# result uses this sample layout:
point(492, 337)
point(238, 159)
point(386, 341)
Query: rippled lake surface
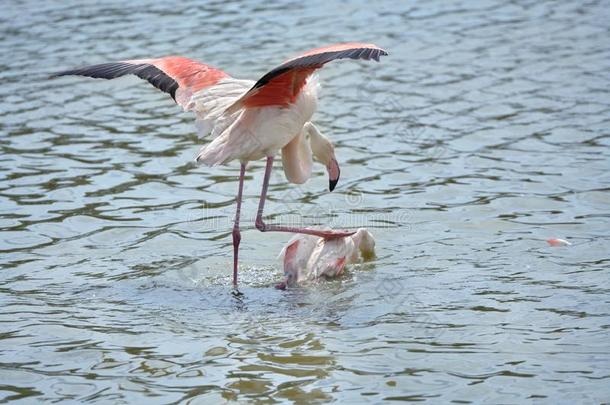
point(484, 133)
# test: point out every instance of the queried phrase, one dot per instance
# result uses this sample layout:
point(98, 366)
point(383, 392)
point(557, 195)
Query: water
point(484, 133)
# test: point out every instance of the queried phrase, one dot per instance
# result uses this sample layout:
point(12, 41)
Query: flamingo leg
point(263, 227)
point(236, 232)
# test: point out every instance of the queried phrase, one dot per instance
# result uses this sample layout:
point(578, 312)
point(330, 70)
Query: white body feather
point(313, 257)
point(251, 133)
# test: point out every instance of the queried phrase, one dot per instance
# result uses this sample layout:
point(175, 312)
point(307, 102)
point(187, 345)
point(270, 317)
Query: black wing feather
point(148, 72)
point(320, 59)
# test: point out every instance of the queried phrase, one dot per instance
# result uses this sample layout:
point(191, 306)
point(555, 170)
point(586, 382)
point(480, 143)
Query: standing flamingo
point(250, 120)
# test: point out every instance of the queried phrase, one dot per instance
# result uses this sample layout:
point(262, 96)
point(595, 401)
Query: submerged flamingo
point(250, 120)
point(308, 258)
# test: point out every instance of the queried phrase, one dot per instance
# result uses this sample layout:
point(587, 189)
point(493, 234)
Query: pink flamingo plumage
point(250, 120)
point(308, 258)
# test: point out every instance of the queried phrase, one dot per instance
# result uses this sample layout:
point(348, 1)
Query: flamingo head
point(324, 152)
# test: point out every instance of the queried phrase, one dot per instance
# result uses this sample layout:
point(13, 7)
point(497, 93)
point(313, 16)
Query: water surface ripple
point(484, 133)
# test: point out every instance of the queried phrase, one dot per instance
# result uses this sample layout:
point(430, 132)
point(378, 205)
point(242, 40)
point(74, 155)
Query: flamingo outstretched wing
point(281, 86)
point(178, 76)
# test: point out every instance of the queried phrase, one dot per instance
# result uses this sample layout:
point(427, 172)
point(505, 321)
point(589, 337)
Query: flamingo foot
point(336, 234)
point(326, 234)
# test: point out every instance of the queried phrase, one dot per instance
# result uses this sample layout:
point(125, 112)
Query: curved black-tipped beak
point(332, 184)
point(333, 174)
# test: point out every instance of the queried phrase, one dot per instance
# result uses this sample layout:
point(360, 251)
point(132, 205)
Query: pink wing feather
point(281, 86)
point(168, 74)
